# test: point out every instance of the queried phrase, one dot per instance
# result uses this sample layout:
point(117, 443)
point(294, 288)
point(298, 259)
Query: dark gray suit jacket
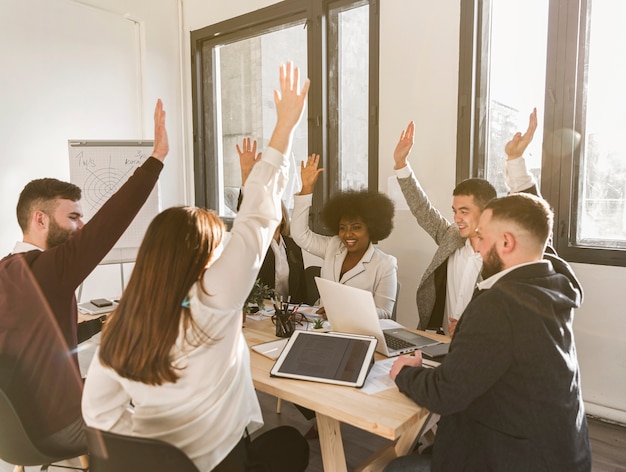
point(509, 390)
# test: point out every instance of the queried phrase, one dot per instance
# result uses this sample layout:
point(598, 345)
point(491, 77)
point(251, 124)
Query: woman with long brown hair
point(173, 363)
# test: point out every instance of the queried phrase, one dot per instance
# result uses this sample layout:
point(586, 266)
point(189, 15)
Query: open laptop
point(352, 310)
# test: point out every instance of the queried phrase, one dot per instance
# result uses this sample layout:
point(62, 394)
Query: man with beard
point(38, 311)
point(509, 390)
point(447, 284)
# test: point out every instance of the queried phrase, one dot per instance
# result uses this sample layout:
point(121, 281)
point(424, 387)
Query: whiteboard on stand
point(100, 168)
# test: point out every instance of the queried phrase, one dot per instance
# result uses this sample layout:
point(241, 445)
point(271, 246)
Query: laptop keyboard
point(396, 343)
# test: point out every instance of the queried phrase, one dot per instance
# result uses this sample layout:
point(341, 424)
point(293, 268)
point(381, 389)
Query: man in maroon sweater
point(38, 311)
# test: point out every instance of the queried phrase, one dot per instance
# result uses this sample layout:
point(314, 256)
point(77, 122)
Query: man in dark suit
point(509, 390)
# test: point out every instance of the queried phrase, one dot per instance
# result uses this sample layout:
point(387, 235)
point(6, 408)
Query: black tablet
point(337, 358)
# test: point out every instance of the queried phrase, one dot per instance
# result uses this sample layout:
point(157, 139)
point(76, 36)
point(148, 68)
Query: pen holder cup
point(285, 324)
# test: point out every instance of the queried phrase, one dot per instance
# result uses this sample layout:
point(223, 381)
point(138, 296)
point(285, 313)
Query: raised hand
point(247, 158)
point(517, 145)
point(161, 143)
point(404, 146)
point(309, 173)
point(289, 106)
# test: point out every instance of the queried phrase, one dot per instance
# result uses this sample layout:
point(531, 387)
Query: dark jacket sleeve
point(479, 354)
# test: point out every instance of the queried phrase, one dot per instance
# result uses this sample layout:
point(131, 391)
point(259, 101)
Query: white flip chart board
point(100, 168)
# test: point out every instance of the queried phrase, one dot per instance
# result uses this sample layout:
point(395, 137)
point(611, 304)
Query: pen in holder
point(284, 319)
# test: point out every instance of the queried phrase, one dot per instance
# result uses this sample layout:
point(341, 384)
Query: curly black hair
point(375, 209)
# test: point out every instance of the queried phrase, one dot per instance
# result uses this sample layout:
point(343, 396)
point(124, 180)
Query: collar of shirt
point(21, 246)
point(490, 282)
point(278, 244)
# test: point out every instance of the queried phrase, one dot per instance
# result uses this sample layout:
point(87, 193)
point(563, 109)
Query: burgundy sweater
point(38, 312)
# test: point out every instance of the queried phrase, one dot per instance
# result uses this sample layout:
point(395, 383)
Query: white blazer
point(376, 271)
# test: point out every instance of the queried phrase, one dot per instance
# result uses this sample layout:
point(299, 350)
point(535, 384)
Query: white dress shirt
point(21, 246)
point(464, 267)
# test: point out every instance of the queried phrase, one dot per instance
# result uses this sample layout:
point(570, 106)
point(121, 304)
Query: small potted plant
point(318, 323)
point(255, 301)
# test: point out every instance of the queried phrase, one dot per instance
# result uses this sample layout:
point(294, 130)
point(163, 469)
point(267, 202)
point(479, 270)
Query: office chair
point(112, 452)
point(312, 294)
point(16, 447)
point(395, 304)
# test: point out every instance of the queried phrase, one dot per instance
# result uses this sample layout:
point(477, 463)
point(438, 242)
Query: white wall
point(85, 70)
point(418, 81)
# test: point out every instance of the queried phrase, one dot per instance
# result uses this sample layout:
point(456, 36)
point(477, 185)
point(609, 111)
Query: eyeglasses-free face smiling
point(466, 215)
point(354, 234)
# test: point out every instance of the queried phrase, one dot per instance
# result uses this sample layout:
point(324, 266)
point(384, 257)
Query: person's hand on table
point(412, 361)
point(321, 311)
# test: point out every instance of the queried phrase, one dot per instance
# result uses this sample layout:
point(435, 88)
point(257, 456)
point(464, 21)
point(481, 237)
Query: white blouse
point(376, 272)
point(207, 410)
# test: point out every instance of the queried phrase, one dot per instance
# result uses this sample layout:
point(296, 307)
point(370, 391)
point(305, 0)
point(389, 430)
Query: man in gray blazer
point(509, 391)
point(449, 280)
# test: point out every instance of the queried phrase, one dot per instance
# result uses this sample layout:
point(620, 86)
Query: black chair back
point(312, 293)
point(16, 447)
point(112, 452)
point(395, 304)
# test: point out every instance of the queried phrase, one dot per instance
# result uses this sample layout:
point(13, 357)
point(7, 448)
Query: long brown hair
point(139, 334)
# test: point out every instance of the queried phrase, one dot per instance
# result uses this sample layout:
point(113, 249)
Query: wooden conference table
point(389, 414)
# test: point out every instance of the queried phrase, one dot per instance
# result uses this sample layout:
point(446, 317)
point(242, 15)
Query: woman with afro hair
point(357, 220)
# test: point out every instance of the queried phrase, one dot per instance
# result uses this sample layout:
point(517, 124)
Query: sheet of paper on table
point(271, 349)
point(378, 379)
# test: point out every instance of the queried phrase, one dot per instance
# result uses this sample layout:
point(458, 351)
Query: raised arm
point(309, 174)
point(518, 178)
point(161, 143)
point(426, 215)
point(517, 145)
point(311, 242)
point(404, 146)
point(260, 211)
point(84, 251)
point(289, 107)
point(247, 158)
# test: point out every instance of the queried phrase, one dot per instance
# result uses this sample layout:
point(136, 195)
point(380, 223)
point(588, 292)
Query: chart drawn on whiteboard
point(100, 168)
point(102, 182)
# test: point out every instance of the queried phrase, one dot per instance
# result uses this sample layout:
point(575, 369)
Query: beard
point(57, 235)
point(492, 264)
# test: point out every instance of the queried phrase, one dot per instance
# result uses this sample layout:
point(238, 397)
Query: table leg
point(379, 460)
point(331, 444)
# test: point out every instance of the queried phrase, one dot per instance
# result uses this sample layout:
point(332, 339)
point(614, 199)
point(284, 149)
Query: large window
point(235, 70)
point(567, 58)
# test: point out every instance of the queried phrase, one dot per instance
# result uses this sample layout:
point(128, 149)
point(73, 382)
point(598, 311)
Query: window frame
point(319, 62)
point(568, 22)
